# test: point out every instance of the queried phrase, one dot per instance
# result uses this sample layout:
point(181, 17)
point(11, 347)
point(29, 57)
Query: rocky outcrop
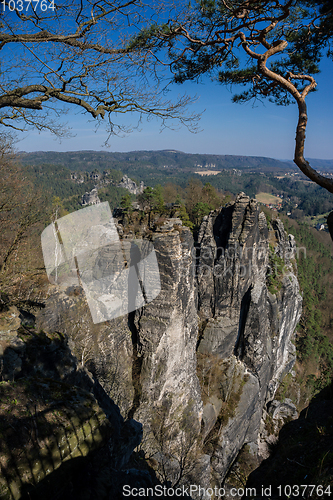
point(246, 330)
point(198, 365)
point(145, 361)
point(166, 336)
point(106, 349)
point(53, 416)
point(49, 424)
point(90, 198)
point(77, 177)
point(303, 452)
point(131, 186)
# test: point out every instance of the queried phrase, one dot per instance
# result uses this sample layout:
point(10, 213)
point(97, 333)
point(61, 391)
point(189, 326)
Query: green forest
point(315, 330)
point(139, 160)
point(300, 198)
point(55, 181)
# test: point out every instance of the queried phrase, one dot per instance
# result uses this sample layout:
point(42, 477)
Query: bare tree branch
point(80, 55)
point(216, 36)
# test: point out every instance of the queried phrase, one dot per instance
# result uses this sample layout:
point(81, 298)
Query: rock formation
point(53, 416)
point(245, 339)
point(131, 186)
point(77, 177)
point(196, 366)
point(90, 198)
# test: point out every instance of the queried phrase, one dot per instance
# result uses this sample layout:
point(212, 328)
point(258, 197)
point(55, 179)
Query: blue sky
point(226, 128)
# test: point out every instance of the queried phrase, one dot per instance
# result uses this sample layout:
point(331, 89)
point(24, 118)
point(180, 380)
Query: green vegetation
point(112, 194)
point(56, 181)
point(314, 220)
point(184, 217)
point(144, 161)
point(314, 336)
point(222, 381)
point(310, 199)
point(126, 203)
point(200, 200)
point(52, 171)
point(160, 202)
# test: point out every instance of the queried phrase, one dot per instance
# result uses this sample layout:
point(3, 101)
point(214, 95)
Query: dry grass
point(208, 172)
point(267, 198)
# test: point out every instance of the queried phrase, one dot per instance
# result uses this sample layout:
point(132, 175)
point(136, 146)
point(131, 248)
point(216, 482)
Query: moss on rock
point(44, 423)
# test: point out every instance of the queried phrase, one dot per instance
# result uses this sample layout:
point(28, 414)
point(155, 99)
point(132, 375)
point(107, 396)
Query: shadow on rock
point(303, 454)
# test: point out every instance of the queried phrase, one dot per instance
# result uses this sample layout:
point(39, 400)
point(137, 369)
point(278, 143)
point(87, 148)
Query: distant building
point(320, 227)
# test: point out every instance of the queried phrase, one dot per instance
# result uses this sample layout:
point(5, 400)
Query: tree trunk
point(299, 159)
point(304, 165)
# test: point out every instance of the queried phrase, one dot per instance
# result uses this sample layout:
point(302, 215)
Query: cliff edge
point(198, 365)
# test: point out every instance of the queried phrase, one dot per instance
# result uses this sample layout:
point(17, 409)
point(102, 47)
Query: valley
point(197, 384)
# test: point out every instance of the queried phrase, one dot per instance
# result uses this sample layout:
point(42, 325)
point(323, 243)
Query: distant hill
point(167, 161)
point(323, 165)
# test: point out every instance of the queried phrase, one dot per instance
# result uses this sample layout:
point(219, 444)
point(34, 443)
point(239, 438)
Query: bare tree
point(173, 445)
point(77, 53)
point(21, 209)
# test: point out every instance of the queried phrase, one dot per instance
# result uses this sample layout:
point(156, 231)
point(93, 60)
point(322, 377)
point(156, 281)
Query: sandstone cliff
point(130, 185)
point(196, 366)
point(245, 340)
point(61, 436)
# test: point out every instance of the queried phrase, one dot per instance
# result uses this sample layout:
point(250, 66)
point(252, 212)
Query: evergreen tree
point(126, 203)
point(272, 48)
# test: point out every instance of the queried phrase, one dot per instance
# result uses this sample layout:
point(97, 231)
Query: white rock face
point(131, 186)
point(198, 364)
point(246, 338)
